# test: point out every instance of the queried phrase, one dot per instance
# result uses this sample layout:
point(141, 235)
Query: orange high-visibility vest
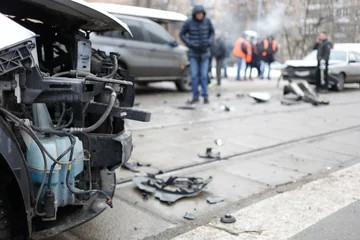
point(266, 46)
point(238, 52)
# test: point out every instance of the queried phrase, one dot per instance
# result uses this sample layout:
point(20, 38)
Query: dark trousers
point(318, 77)
point(248, 65)
point(219, 66)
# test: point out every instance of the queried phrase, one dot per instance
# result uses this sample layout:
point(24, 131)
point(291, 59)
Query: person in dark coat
point(218, 50)
point(198, 33)
point(323, 47)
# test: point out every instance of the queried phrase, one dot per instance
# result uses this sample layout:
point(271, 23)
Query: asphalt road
point(274, 148)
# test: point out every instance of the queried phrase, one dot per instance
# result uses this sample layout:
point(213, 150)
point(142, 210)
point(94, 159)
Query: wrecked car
point(343, 68)
point(62, 112)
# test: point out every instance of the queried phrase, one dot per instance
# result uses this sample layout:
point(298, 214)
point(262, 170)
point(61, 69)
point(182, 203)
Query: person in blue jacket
point(198, 33)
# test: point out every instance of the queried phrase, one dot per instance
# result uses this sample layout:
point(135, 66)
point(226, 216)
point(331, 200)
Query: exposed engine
point(65, 104)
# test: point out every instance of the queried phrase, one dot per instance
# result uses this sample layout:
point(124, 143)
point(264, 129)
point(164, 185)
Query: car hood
point(74, 13)
point(308, 63)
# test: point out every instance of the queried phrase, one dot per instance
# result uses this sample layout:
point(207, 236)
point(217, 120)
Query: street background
point(279, 148)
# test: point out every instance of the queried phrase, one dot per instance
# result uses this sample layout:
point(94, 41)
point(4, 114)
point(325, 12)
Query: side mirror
point(173, 43)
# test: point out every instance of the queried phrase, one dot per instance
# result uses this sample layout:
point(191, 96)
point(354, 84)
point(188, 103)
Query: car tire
point(340, 85)
point(5, 233)
point(184, 85)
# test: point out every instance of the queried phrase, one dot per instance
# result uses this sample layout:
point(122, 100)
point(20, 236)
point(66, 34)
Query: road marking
point(285, 215)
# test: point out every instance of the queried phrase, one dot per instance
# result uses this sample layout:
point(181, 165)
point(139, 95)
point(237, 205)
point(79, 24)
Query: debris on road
point(219, 142)
point(228, 219)
point(142, 164)
point(214, 200)
point(303, 93)
point(189, 216)
point(209, 154)
point(226, 108)
point(260, 97)
point(240, 95)
point(172, 188)
point(187, 107)
point(218, 94)
point(130, 166)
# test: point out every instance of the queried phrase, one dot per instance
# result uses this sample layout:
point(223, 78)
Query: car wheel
point(340, 85)
point(5, 233)
point(184, 85)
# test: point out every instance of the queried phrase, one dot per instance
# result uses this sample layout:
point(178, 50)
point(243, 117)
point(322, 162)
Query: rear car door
point(357, 69)
point(134, 51)
point(353, 66)
point(164, 58)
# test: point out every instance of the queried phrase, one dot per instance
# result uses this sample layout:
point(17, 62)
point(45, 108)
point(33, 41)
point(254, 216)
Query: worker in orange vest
point(242, 50)
point(269, 48)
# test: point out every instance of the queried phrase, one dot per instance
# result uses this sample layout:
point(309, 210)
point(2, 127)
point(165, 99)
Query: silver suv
point(151, 55)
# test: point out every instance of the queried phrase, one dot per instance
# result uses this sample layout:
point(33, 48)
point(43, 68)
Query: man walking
point(197, 33)
point(242, 50)
point(219, 51)
point(269, 47)
point(323, 47)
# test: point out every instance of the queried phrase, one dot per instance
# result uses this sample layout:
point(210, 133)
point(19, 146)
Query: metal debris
point(213, 200)
point(189, 216)
point(187, 107)
point(210, 154)
point(130, 166)
point(260, 97)
point(219, 142)
point(142, 164)
point(171, 189)
point(228, 219)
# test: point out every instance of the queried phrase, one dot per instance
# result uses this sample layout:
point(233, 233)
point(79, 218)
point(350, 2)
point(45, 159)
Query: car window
point(338, 55)
point(352, 57)
point(157, 34)
point(357, 55)
point(334, 55)
point(135, 28)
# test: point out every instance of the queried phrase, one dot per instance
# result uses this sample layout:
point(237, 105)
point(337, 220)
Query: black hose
point(62, 114)
point(115, 67)
point(68, 123)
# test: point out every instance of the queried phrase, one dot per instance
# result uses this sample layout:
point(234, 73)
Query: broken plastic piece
point(260, 97)
point(228, 219)
point(209, 154)
point(187, 107)
point(219, 142)
point(189, 216)
point(172, 188)
point(213, 200)
point(130, 166)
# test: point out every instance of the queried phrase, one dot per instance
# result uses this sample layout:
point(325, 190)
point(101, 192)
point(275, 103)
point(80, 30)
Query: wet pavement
point(268, 147)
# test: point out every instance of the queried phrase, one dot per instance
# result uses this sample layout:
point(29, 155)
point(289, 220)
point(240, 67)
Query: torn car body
point(62, 112)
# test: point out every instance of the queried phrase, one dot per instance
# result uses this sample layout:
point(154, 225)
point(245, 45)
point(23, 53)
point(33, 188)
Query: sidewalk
point(287, 214)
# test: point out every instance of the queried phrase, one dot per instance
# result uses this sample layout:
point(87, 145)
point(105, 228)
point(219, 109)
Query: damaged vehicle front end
point(63, 107)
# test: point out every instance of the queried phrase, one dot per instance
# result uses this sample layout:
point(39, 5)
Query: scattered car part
point(130, 166)
point(219, 142)
point(303, 92)
point(187, 107)
point(189, 216)
point(141, 164)
point(260, 97)
point(227, 218)
point(213, 200)
point(209, 154)
point(218, 95)
point(226, 108)
point(171, 189)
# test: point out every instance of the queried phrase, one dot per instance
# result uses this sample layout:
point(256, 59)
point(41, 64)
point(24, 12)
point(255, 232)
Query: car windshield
point(334, 55)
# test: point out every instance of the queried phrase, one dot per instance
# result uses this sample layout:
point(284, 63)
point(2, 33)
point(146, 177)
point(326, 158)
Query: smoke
point(272, 23)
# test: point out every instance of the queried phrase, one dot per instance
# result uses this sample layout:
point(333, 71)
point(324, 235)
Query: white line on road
point(285, 215)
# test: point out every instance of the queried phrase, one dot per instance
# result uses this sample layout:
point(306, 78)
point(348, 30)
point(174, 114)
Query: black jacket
point(323, 50)
point(198, 35)
point(218, 49)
